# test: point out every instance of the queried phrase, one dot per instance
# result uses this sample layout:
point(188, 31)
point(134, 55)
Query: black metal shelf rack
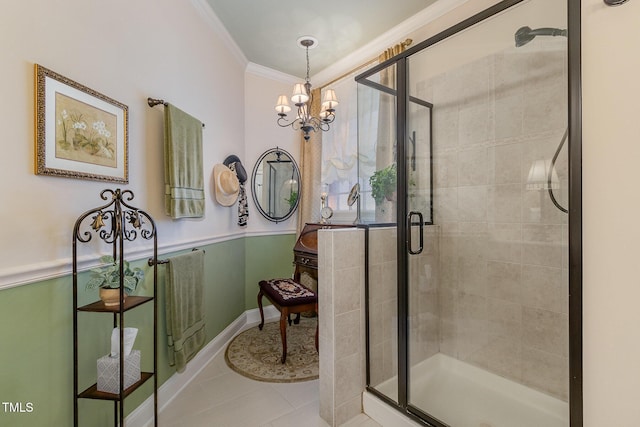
point(115, 223)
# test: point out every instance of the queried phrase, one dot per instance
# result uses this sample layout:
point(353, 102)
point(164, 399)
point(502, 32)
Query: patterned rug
point(256, 353)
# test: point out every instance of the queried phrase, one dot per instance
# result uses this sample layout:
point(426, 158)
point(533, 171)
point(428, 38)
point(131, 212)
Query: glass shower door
point(487, 305)
point(422, 248)
point(463, 168)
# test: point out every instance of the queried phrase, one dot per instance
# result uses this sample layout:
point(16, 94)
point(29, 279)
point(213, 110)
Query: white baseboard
point(142, 416)
point(270, 313)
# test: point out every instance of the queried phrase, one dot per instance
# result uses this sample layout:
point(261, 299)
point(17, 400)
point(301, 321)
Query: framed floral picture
point(80, 133)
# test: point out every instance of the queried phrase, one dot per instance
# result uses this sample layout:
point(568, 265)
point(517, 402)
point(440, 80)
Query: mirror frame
point(296, 171)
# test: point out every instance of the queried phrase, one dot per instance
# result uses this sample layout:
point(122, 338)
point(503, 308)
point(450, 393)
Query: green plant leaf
point(94, 282)
point(108, 276)
point(383, 183)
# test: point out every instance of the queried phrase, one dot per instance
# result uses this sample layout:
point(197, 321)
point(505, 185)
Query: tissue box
point(109, 372)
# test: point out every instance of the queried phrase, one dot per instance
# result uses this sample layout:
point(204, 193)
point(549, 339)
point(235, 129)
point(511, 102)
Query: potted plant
point(384, 183)
point(107, 279)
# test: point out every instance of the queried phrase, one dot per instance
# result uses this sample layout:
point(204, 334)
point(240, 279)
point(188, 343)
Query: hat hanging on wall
point(234, 163)
point(242, 174)
point(226, 185)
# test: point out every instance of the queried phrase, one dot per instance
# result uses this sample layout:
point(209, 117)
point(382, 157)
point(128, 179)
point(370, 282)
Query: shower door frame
point(574, 220)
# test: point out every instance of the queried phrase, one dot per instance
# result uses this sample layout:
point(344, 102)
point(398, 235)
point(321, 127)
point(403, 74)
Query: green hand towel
point(183, 176)
point(185, 307)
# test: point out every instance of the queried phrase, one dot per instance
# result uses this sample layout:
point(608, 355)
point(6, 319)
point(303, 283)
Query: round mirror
point(276, 185)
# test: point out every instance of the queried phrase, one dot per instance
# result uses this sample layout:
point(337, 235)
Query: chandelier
point(302, 99)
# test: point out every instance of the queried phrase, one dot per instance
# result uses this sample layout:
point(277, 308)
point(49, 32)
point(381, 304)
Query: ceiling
point(267, 30)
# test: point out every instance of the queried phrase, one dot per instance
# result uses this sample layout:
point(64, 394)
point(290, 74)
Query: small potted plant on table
point(384, 184)
point(107, 279)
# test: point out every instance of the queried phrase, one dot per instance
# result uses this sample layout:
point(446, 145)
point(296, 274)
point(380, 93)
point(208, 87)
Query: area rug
point(256, 353)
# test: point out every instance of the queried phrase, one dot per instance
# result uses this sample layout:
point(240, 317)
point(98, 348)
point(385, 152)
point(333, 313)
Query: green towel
point(185, 307)
point(183, 177)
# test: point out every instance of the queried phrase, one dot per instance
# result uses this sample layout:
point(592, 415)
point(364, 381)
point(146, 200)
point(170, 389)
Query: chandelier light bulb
point(300, 95)
point(329, 101)
point(282, 106)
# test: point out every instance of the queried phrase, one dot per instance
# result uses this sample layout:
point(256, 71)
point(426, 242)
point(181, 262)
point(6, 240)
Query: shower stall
point(469, 320)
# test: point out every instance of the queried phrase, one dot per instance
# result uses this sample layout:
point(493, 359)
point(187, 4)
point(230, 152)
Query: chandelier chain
point(308, 68)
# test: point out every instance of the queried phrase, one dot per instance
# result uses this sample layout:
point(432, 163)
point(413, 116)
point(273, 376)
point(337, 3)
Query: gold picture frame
point(80, 133)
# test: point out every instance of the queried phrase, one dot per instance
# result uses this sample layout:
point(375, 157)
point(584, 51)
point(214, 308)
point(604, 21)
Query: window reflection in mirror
point(276, 185)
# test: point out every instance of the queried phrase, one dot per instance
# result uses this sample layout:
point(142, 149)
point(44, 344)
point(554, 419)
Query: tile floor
point(220, 397)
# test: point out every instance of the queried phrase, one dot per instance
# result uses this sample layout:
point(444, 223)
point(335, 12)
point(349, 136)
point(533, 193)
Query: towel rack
point(165, 261)
point(153, 102)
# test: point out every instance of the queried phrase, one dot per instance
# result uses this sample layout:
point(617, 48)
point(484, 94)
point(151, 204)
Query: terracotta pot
point(111, 296)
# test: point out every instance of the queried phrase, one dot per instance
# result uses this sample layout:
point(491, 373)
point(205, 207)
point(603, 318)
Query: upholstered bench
point(289, 297)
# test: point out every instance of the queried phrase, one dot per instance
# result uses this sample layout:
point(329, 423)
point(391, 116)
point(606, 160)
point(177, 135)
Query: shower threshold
point(463, 395)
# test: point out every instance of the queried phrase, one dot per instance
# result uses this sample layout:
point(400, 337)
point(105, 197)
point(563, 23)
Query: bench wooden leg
point(295, 321)
point(260, 294)
point(284, 315)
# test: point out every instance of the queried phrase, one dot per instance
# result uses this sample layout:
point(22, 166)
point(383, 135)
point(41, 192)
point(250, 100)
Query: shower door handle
point(421, 229)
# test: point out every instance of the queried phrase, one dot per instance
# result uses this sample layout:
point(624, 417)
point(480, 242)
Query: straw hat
point(226, 183)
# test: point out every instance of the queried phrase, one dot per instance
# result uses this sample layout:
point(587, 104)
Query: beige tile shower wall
point(341, 321)
point(503, 247)
point(383, 300)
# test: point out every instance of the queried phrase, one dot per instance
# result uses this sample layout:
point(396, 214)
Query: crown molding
point(351, 61)
point(379, 44)
point(210, 17)
point(270, 73)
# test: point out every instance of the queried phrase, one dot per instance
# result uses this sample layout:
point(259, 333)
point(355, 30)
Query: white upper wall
point(262, 88)
point(127, 51)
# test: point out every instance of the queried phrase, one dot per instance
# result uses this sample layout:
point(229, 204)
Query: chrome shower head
point(525, 34)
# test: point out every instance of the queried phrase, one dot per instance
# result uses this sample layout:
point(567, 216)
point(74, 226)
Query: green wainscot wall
point(36, 354)
point(267, 258)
